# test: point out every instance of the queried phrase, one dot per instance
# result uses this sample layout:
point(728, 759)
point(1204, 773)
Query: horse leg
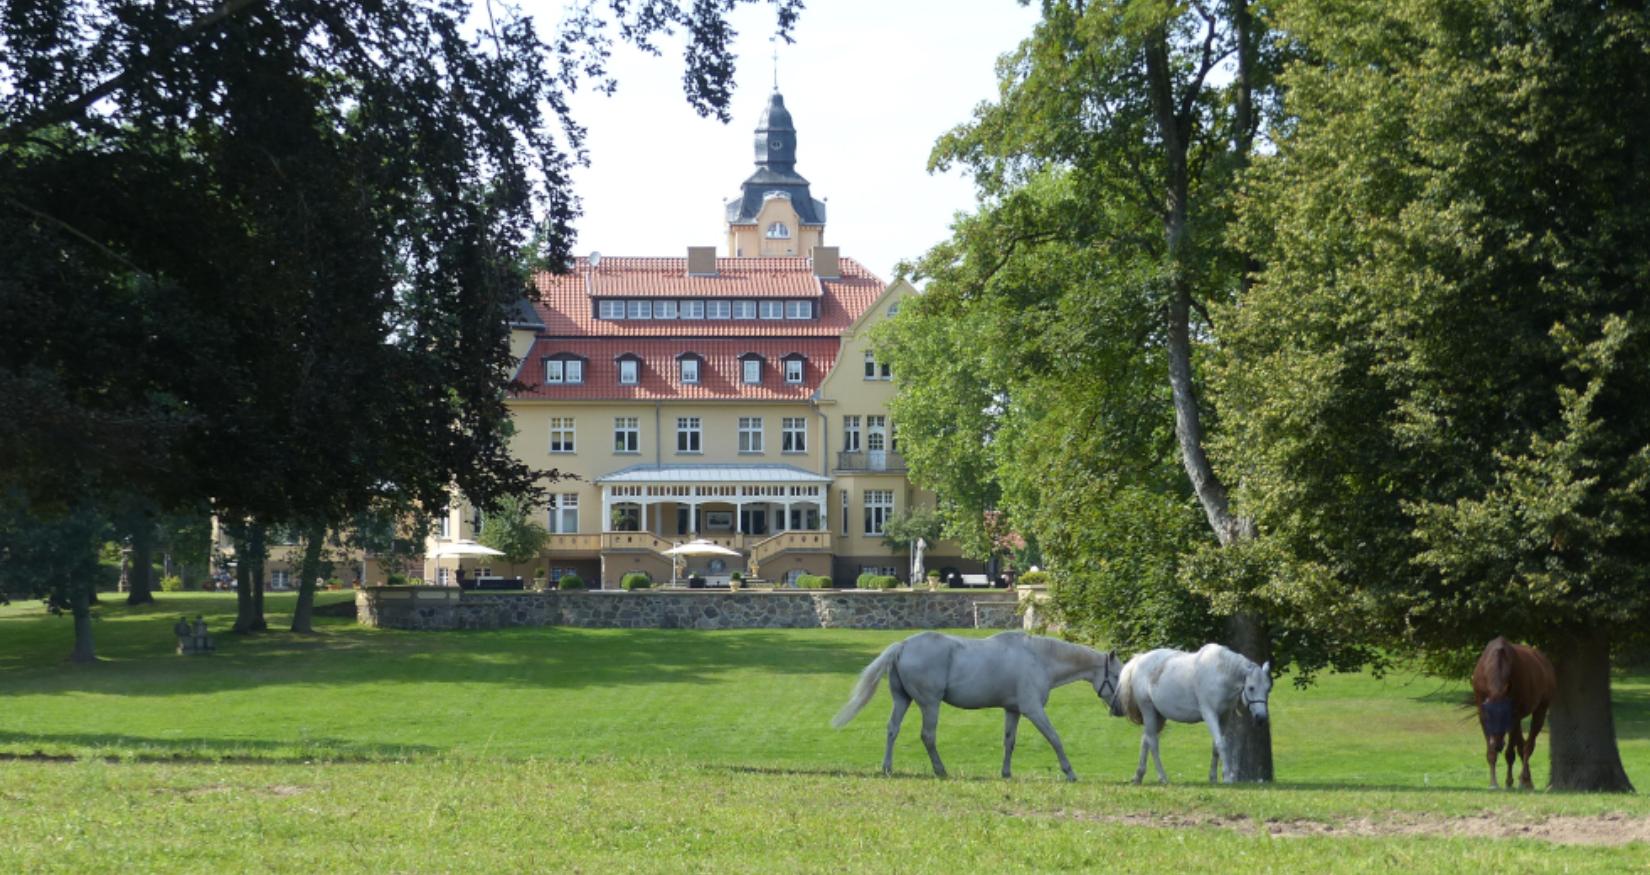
point(1490, 754)
point(1039, 719)
point(901, 703)
point(930, 731)
point(1515, 742)
point(1212, 720)
point(1157, 748)
point(1011, 728)
point(1536, 718)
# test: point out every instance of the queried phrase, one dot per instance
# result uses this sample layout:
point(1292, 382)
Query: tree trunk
point(1583, 736)
point(307, 572)
point(243, 594)
point(259, 624)
point(81, 608)
point(140, 583)
point(1249, 743)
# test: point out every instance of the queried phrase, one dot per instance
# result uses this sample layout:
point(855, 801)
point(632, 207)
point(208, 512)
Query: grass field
point(590, 750)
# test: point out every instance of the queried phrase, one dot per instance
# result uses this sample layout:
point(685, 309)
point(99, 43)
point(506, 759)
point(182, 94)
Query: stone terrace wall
point(434, 608)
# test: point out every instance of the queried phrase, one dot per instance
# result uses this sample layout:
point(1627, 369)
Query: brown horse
point(1511, 682)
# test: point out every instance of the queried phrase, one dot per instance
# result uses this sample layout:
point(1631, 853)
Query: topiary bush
point(877, 581)
point(1033, 578)
point(863, 581)
point(570, 581)
point(171, 583)
point(813, 581)
point(396, 579)
point(635, 580)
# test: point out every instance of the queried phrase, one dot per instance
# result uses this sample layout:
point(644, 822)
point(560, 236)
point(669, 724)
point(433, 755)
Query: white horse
point(1188, 688)
point(1010, 670)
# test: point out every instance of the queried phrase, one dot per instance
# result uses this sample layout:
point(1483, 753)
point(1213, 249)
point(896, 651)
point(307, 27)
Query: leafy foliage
point(512, 528)
point(635, 580)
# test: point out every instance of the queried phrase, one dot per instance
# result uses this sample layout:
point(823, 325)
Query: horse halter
point(1105, 671)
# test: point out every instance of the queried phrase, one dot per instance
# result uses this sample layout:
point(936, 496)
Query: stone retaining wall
point(435, 608)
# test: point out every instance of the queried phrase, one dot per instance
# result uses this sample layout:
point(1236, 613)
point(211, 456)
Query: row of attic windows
point(632, 308)
point(567, 369)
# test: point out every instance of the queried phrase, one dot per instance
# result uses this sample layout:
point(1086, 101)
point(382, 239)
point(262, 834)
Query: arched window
point(779, 231)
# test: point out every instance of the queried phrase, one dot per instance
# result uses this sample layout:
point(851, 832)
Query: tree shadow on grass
point(547, 658)
point(130, 748)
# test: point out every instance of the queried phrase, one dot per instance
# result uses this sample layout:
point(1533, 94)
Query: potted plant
point(735, 580)
point(933, 579)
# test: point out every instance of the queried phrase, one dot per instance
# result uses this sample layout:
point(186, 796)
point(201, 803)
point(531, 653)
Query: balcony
point(870, 460)
point(588, 544)
point(812, 542)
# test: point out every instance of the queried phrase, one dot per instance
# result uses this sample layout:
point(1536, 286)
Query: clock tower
point(776, 215)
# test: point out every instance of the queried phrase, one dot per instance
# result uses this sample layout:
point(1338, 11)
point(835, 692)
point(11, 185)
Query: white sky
point(870, 85)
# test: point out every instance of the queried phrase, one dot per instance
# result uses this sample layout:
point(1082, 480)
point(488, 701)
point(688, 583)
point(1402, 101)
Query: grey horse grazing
point(1010, 670)
point(1188, 688)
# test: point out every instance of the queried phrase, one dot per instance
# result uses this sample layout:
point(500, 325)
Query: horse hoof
point(1136, 780)
point(1071, 779)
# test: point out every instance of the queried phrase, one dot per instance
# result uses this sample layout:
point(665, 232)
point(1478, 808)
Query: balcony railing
point(571, 543)
point(812, 541)
point(870, 460)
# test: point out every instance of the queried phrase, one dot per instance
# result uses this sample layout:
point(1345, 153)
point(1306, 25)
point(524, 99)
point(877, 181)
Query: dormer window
point(610, 309)
point(779, 231)
point(744, 309)
point(799, 309)
point(773, 309)
point(563, 368)
point(794, 366)
point(630, 369)
point(689, 367)
point(750, 368)
point(640, 310)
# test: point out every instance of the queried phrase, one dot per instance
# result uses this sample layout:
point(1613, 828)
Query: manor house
point(733, 398)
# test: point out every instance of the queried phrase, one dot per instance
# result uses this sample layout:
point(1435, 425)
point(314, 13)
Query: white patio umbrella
point(700, 548)
point(917, 550)
point(463, 548)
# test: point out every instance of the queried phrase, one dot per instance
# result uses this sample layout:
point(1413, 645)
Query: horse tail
point(866, 686)
point(1125, 684)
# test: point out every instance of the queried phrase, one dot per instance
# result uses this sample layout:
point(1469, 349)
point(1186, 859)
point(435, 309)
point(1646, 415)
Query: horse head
point(1107, 681)
point(1497, 717)
point(1257, 686)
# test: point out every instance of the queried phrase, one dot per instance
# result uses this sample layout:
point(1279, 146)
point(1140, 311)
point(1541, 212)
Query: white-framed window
point(693, 309)
point(799, 309)
point(794, 434)
point(627, 434)
point(688, 434)
point(444, 523)
point(744, 309)
point(443, 577)
point(629, 369)
point(280, 579)
point(558, 572)
point(773, 309)
point(793, 370)
point(879, 505)
point(750, 434)
point(564, 513)
point(875, 371)
point(664, 309)
point(850, 434)
point(575, 371)
point(639, 310)
point(718, 309)
point(751, 368)
point(554, 370)
point(893, 310)
point(779, 231)
point(690, 370)
point(561, 434)
point(610, 309)
point(876, 433)
point(879, 570)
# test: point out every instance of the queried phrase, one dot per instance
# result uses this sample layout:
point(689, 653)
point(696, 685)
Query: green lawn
point(564, 749)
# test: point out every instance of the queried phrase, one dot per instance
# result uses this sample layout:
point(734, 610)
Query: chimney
point(701, 261)
point(826, 265)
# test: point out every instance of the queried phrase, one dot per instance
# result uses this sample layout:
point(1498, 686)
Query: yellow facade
point(777, 232)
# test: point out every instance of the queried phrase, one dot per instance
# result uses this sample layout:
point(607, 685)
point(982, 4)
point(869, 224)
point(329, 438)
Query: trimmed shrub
point(877, 581)
point(570, 581)
point(635, 580)
point(172, 583)
point(396, 579)
point(863, 581)
point(1033, 578)
point(813, 581)
point(736, 576)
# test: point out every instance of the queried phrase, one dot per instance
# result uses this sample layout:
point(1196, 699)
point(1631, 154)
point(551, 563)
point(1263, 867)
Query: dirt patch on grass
point(1562, 829)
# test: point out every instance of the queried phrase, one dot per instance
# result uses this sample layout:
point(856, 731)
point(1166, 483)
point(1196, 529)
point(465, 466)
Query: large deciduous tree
point(1436, 389)
point(263, 254)
point(1106, 170)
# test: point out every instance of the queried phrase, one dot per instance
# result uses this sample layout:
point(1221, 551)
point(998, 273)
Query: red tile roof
point(567, 307)
point(719, 373)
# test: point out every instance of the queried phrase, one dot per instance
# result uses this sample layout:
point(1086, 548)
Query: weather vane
point(775, 63)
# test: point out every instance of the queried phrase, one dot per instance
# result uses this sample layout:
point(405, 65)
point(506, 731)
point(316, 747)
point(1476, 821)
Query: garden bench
point(975, 580)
